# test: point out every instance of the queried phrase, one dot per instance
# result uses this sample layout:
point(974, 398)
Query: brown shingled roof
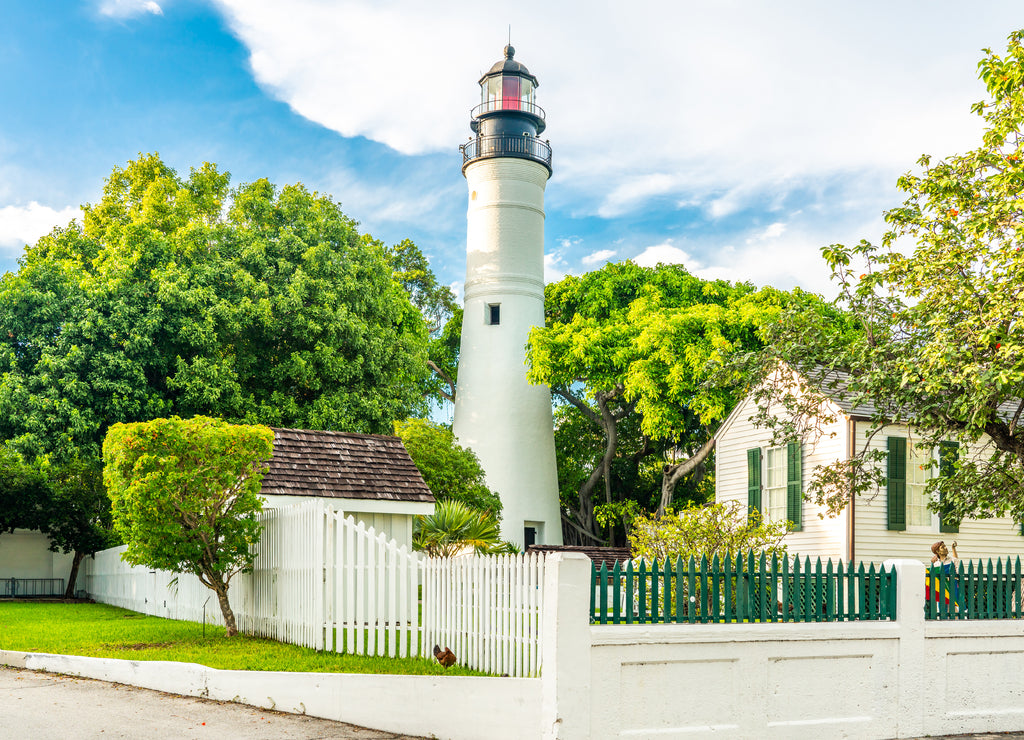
point(343, 465)
point(598, 555)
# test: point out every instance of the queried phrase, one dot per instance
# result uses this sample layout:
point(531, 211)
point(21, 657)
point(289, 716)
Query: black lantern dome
point(507, 120)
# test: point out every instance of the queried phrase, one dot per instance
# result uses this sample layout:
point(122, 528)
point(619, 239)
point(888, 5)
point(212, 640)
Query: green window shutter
point(753, 481)
point(949, 452)
point(896, 484)
point(794, 487)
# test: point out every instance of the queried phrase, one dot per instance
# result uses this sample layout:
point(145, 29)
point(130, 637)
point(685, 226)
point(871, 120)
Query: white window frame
point(920, 470)
point(773, 504)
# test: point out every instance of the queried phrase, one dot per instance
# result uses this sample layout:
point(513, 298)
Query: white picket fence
point(487, 609)
point(323, 580)
point(371, 591)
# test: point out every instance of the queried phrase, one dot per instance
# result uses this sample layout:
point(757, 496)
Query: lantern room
point(507, 120)
point(509, 86)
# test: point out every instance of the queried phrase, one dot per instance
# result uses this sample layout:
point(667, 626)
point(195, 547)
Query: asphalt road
point(47, 706)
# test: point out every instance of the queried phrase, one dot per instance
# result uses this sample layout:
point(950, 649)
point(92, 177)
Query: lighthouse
point(506, 421)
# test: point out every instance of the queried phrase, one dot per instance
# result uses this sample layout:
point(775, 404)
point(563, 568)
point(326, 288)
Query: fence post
point(565, 673)
point(911, 678)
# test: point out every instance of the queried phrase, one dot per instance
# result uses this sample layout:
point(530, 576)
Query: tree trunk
point(672, 474)
point(607, 421)
point(69, 592)
point(221, 589)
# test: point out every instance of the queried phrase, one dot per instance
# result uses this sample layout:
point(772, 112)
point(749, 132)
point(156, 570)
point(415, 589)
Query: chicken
point(445, 657)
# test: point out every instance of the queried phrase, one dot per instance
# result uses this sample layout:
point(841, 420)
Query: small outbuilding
point(368, 476)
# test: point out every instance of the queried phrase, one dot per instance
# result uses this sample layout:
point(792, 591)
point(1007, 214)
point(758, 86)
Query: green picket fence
point(975, 590)
point(744, 588)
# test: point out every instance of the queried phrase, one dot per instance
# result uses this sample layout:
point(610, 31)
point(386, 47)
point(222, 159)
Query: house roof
point(343, 465)
point(598, 555)
point(835, 385)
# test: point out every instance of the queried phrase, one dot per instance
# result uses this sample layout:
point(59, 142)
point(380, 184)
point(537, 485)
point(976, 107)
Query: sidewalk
point(49, 706)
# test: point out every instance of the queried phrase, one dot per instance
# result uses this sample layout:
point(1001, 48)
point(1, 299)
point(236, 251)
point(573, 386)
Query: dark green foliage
point(26, 499)
point(451, 472)
point(272, 310)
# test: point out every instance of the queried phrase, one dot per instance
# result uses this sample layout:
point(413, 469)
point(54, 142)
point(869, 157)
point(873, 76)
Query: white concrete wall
point(862, 681)
point(506, 421)
point(867, 680)
point(25, 554)
point(455, 707)
point(739, 681)
point(973, 677)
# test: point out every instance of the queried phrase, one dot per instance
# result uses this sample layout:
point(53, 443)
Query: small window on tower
point(494, 314)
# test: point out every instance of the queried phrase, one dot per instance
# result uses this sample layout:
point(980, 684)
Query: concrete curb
point(435, 706)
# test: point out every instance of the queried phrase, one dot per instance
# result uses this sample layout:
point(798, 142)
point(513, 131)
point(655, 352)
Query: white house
point(368, 476)
point(892, 522)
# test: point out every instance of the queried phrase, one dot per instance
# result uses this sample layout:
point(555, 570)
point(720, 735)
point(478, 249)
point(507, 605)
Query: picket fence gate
point(323, 580)
point(489, 610)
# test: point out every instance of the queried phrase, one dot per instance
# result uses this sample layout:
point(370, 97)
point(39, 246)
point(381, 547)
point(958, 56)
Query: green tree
point(180, 296)
point(939, 338)
point(25, 496)
point(453, 527)
point(646, 346)
point(451, 472)
point(79, 520)
point(441, 312)
point(185, 496)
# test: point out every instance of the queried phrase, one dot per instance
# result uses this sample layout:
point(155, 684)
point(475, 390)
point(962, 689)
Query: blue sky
point(736, 137)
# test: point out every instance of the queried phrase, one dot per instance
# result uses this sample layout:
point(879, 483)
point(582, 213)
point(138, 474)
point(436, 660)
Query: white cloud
point(602, 255)
point(21, 225)
point(129, 8)
point(554, 267)
point(774, 231)
point(695, 101)
point(665, 254)
point(623, 198)
point(392, 202)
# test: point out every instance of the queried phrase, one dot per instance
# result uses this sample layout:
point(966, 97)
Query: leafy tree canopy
point(642, 350)
point(439, 309)
point(79, 520)
point(451, 472)
point(181, 296)
point(25, 495)
point(939, 341)
point(185, 496)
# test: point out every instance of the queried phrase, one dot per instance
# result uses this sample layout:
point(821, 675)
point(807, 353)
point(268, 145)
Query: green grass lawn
point(103, 631)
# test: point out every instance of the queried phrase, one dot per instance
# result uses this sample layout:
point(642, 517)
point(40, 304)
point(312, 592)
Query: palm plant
point(453, 527)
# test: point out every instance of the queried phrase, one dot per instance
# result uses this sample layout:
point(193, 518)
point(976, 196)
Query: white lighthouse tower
point(502, 418)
